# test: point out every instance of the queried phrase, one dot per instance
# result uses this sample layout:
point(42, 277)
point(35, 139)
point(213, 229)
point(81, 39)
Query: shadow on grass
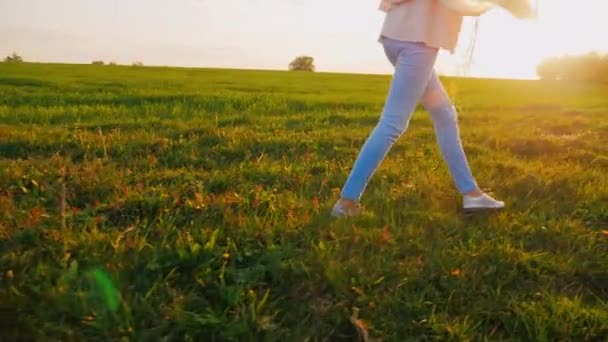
point(235, 103)
point(24, 150)
point(24, 82)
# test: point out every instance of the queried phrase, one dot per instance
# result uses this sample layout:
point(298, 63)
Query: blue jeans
point(414, 81)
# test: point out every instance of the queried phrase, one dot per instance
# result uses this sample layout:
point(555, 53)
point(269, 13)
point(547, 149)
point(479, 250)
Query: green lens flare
point(106, 289)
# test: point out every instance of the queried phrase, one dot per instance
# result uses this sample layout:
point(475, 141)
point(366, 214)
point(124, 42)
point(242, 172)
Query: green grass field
point(189, 204)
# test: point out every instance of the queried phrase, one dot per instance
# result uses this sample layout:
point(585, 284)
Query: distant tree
point(13, 58)
point(98, 63)
point(138, 64)
point(588, 67)
point(302, 63)
point(112, 63)
point(549, 69)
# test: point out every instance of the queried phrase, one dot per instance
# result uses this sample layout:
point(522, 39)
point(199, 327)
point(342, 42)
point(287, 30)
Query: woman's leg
point(445, 120)
point(413, 68)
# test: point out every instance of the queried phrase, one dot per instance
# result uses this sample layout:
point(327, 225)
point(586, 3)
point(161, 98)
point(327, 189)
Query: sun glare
point(509, 48)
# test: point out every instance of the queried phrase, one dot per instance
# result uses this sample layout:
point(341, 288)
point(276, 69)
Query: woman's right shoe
point(483, 202)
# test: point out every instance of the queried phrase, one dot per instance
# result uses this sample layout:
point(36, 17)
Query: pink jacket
point(425, 21)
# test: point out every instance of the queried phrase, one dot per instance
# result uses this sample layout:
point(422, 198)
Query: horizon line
point(116, 64)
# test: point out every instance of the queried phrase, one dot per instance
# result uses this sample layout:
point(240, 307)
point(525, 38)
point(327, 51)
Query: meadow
point(175, 204)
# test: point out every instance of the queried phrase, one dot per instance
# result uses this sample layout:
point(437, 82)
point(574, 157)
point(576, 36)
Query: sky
point(267, 34)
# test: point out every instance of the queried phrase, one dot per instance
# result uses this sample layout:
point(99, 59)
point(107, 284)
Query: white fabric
point(519, 8)
point(470, 7)
point(523, 9)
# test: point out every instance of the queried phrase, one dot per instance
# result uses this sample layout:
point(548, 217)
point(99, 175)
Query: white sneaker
point(483, 202)
point(343, 211)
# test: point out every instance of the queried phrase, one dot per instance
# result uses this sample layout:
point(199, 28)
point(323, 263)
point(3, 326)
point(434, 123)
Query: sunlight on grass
point(197, 208)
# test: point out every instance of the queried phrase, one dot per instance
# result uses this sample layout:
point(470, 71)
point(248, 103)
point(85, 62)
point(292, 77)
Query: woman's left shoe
point(341, 210)
point(483, 202)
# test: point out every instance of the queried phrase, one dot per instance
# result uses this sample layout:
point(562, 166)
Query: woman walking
point(412, 34)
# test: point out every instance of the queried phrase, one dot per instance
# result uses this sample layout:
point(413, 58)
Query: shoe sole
point(478, 210)
point(343, 216)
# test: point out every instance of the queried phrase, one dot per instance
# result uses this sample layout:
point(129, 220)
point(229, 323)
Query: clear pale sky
point(268, 34)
